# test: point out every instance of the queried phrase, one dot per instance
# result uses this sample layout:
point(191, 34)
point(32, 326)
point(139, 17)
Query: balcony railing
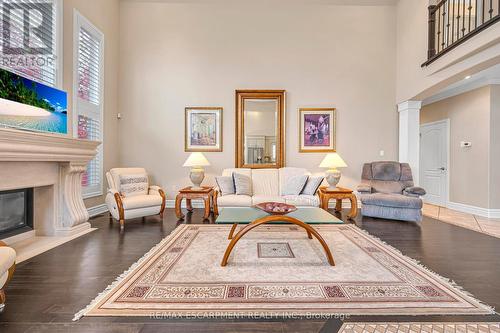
point(451, 22)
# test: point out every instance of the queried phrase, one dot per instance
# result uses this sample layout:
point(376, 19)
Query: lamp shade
point(196, 160)
point(332, 160)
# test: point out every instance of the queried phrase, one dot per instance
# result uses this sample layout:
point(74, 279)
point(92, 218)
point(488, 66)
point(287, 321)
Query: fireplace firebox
point(16, 212)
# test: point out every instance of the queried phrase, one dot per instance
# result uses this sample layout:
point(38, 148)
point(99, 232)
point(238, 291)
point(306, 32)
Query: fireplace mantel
point(23, 146)
point(57, 162)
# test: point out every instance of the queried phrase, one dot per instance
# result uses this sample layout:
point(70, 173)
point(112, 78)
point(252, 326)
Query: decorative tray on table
point(276, 208)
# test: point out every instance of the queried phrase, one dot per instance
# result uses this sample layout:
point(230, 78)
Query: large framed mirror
point(260, 131)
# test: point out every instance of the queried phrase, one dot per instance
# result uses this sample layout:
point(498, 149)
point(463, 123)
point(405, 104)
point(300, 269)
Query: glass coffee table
point(253, 217)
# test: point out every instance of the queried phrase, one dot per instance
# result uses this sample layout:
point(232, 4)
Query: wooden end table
point(206, 193)
point(339, 194)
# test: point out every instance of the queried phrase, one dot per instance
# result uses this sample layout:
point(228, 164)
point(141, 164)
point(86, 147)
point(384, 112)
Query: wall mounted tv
point(29, 105)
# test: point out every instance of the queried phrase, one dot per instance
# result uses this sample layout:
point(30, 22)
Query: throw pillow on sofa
point(134, 184)
point(225, 184)
point(312, 185)
point(294, 185)
point(242, 184)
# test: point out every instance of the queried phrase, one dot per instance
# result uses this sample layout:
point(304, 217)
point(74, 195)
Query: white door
point(434, 161)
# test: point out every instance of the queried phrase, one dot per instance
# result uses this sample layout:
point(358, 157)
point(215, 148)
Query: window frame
point(59, 43)
point(82, 107)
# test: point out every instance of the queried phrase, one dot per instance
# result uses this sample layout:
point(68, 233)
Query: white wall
point(174, 55)
point(495, 147)
point(469, 115)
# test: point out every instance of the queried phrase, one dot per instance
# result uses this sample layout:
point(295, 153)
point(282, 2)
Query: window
point(32, 40)
point(88, 96)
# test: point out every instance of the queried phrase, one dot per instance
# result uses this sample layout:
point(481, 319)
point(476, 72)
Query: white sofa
point(267, 185)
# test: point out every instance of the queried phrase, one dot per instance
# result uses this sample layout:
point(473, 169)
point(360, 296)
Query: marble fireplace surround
point(53, 165)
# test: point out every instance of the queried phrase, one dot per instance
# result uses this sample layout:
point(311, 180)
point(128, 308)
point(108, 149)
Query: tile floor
point(420, 328)
point(469, 221)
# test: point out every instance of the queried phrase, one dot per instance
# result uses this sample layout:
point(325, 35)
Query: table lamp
point(332, 161)
point(196, 161)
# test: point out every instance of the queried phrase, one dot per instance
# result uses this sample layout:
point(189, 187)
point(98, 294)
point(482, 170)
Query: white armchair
point(130, 195)
point(7, 267)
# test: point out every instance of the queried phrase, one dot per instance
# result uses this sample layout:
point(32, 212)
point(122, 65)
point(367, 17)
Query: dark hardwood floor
point(49, 289)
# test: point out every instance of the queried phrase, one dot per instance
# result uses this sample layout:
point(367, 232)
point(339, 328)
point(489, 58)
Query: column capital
point(409, 105)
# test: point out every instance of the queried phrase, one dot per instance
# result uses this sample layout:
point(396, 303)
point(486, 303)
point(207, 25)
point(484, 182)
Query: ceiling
point(488, 76)
point(312, 2)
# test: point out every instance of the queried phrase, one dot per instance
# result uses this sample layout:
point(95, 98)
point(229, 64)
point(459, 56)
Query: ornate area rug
point(277, 271)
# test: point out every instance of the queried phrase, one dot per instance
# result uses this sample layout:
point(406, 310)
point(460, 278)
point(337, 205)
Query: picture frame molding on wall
point(332, 128)
point(219, 125)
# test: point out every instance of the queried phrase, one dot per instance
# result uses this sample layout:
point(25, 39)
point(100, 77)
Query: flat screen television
point(29, 105)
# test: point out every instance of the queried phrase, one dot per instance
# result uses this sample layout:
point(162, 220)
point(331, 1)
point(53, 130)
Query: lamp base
point(196, 175)
point(332, 177)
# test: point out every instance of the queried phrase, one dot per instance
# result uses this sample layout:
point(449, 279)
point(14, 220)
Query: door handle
point(442, 168)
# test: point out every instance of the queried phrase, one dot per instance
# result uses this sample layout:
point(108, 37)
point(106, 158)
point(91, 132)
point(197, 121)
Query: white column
point(409, 135)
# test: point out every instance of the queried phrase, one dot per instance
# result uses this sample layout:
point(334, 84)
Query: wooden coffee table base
point(269, 219)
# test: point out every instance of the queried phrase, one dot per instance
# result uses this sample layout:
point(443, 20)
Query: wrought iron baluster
point(448, 25)
point(470, 17)
point(458, 18)
point(443, 34)
point(475, 15)
point(438, 34)
point(482, 14)
point(491, 9)
point(463, 18)
point(433, 44)
point(453, 23)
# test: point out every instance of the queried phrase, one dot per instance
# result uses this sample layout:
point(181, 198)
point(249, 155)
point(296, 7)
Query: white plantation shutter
point(88, 88)
point(89, 63)
point(38, 66)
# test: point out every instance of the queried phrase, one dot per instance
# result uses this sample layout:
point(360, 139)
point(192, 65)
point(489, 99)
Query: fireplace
point(16, 212)
point(51, 211)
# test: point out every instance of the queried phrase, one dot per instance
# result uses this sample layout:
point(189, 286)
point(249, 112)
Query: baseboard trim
point(474, 210)
point(494, 214)
point(170, 203)
point(96, 210)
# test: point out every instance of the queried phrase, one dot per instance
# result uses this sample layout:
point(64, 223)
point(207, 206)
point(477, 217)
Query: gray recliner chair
point(387, 191)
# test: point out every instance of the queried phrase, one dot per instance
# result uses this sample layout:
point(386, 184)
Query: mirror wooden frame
point(278, 95)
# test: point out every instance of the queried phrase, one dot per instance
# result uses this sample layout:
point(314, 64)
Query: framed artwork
point(317, 130)
point(203, 129)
